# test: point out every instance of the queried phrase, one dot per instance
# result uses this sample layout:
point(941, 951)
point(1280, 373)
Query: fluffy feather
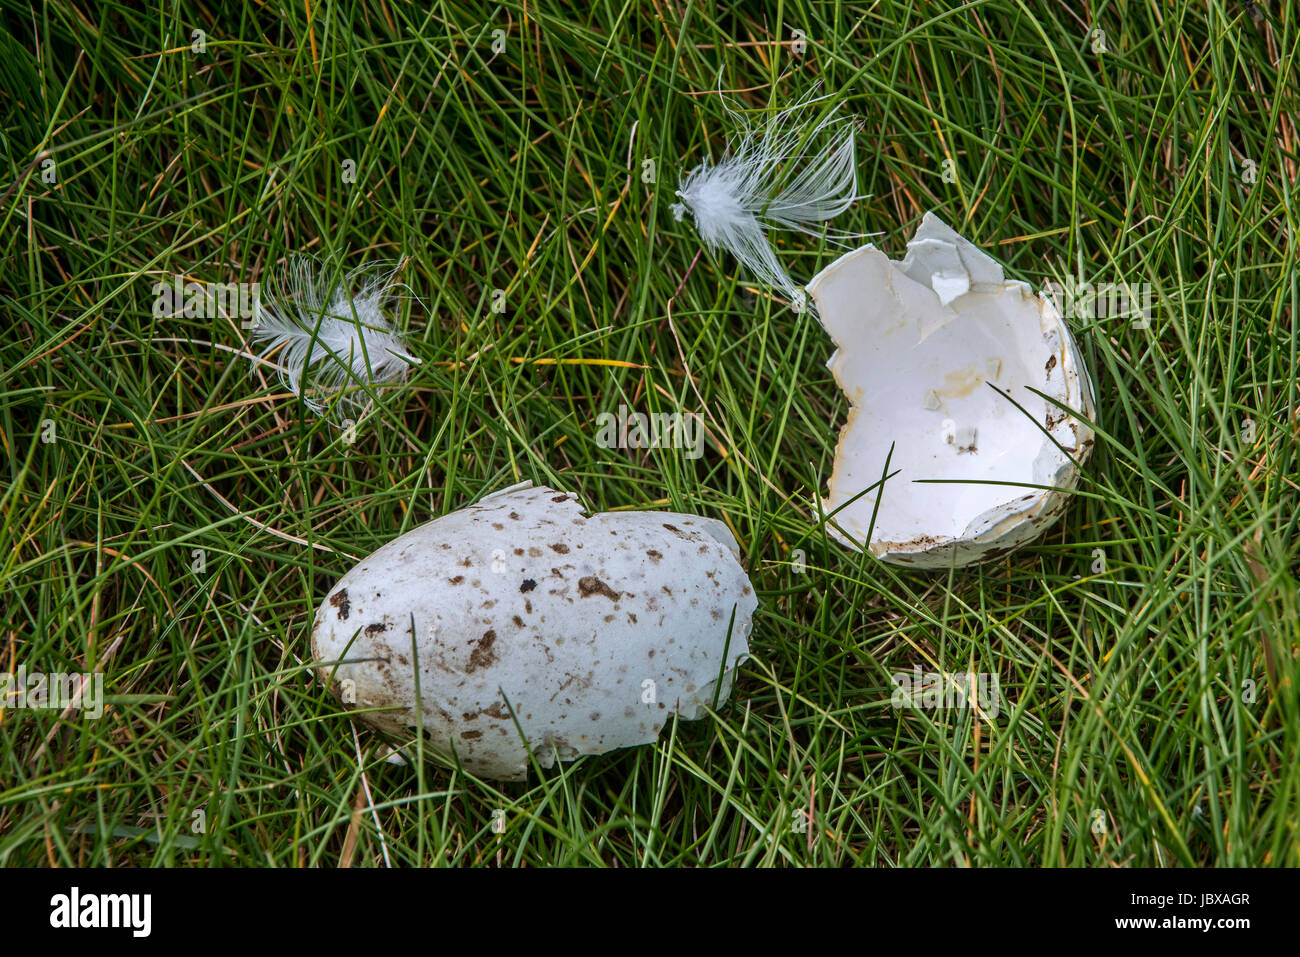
point(788, 171)
point(333, 337)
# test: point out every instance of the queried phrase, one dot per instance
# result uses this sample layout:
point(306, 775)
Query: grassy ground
point(173, 517)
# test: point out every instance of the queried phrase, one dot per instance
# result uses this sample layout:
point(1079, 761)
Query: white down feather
point(788, 171)
point(332, 336)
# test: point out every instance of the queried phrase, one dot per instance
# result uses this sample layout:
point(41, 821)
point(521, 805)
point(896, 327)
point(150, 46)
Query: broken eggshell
point(535, 626)
point(935, 353)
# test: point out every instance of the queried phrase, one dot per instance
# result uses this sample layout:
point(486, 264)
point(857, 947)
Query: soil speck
point(483, 655)
point(340, 601)
point(591, 585)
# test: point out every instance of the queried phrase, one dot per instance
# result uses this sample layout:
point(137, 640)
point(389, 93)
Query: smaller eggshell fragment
point(534, 626)
point(943, 361)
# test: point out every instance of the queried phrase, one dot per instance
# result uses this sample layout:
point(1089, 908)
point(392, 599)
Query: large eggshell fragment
point(935, 353)
point(535, 626)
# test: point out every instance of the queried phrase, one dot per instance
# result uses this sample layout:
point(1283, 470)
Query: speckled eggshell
point(524, 613)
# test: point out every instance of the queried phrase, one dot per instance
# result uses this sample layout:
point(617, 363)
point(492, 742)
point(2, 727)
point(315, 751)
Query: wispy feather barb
point(332, 337)
point(788, 171)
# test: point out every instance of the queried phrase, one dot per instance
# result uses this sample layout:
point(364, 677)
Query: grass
point(172, 517)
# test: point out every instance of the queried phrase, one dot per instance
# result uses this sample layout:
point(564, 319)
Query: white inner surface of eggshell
point(932, 351)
